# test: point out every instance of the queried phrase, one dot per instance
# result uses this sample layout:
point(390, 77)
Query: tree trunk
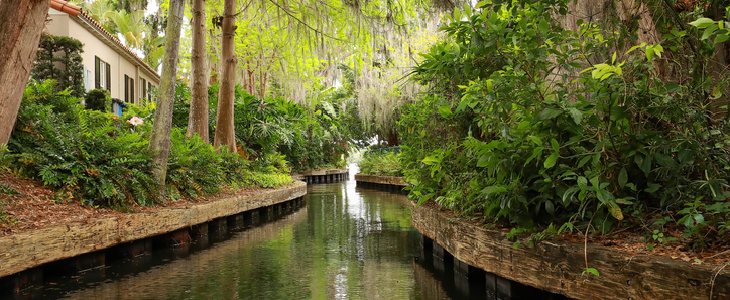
point(21, 24)
point(224, 130)
point(162, 125)
point(198, 120)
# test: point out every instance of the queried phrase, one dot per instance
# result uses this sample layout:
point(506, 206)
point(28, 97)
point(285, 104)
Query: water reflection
point(347, 243)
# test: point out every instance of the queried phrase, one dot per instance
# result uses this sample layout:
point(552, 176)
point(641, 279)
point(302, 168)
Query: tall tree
point(21, 24)
point(198, 120)
point(224, 131)
point(162, 124)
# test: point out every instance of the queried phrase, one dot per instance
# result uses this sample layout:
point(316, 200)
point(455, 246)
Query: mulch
point(27, 205)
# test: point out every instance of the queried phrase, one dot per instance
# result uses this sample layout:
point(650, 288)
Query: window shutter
point(108, 78)
point(149, 88)
point(131, 90)
point(144, 89)
point(126, 88)
point(98, 72)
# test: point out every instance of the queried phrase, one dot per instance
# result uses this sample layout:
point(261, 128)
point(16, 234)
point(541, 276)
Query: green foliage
point(267, 180)
point(309, 136)
point(381, 163)
point(181, 106)
point(195, 169)
point(71, 75)
point(102, 160)
point(99, 99)
point(80, 152)
point(532, 124)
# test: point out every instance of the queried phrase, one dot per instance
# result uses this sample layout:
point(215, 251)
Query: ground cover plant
point(102, 160)
point(530, 123)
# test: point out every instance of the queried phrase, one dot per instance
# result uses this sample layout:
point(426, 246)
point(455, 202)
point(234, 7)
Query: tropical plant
point(99, 99)
point(381, 163)
point(130, 26)
point(79, 152)
point(532, 124)
point(64, 51)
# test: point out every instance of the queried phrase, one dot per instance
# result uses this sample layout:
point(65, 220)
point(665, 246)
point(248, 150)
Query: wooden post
point(21, 281)
point(133, 249)
point(236, 221)
point(462, 284)
point(218, 225)
point(504, 288)
point(255, 217)
point(198, 231)
point(491, 285)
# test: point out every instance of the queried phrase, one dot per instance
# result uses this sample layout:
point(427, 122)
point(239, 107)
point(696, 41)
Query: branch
point(304, 23)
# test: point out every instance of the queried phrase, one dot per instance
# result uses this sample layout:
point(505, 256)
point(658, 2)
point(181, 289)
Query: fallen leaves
point(27, 205)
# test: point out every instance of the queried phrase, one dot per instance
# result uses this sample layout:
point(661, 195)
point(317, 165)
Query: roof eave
point(111, 41)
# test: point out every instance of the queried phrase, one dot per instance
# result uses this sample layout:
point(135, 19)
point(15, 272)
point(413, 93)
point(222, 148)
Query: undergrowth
point(530, 124)
point(101, 159)
point(381, 163)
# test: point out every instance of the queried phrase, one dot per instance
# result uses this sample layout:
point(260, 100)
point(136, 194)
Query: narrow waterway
point(347, 242)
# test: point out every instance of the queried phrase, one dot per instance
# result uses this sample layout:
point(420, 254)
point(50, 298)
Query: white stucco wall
point(63, 24)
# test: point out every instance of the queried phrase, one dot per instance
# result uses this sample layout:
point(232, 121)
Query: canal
point(345, 242)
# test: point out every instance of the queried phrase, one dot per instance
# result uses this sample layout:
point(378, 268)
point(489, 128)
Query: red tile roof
point(78, 12)
point(66, 7)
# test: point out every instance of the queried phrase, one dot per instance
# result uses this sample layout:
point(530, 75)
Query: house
point(108, 64)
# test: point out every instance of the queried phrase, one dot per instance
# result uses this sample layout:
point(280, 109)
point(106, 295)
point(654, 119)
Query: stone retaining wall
point(33, 248)
point(558, 267)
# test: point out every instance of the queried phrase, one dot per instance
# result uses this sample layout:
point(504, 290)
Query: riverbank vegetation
point(537, 121)
point(100, 159)
point(381, 163)
point(235, 112)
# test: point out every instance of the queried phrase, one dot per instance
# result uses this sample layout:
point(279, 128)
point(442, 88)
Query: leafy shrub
point(65, 50)
point(98, 165)
point(99, 99)
point(101, 159)
point(195, 169)
point(267, 180)
point(309, 137)
point(510, 137)
point(381, 163)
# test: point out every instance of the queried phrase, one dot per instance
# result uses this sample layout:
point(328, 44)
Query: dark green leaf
point(549, 207)
point(551, 160)
point(550, 113)
point(623, 177)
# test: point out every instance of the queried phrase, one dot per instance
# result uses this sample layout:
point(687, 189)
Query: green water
point(347, 242)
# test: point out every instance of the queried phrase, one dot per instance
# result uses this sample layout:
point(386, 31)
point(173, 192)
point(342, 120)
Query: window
point(88, 77)
point(143, 89)
point(149, 90)
point(103, 75)
point(128, 89)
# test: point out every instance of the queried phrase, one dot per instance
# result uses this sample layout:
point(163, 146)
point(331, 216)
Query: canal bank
point(323, 176)
point(346, 242)
point(27, 250)
point(558, 267)
point(381, 180)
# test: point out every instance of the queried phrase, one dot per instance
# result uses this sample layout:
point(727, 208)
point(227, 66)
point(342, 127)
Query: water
point(346, 243)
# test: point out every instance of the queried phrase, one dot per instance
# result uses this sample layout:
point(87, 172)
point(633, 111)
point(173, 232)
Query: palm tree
point(130, 26)
point(100, 11)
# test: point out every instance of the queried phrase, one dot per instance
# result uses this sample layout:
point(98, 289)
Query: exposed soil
point(27, 205)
